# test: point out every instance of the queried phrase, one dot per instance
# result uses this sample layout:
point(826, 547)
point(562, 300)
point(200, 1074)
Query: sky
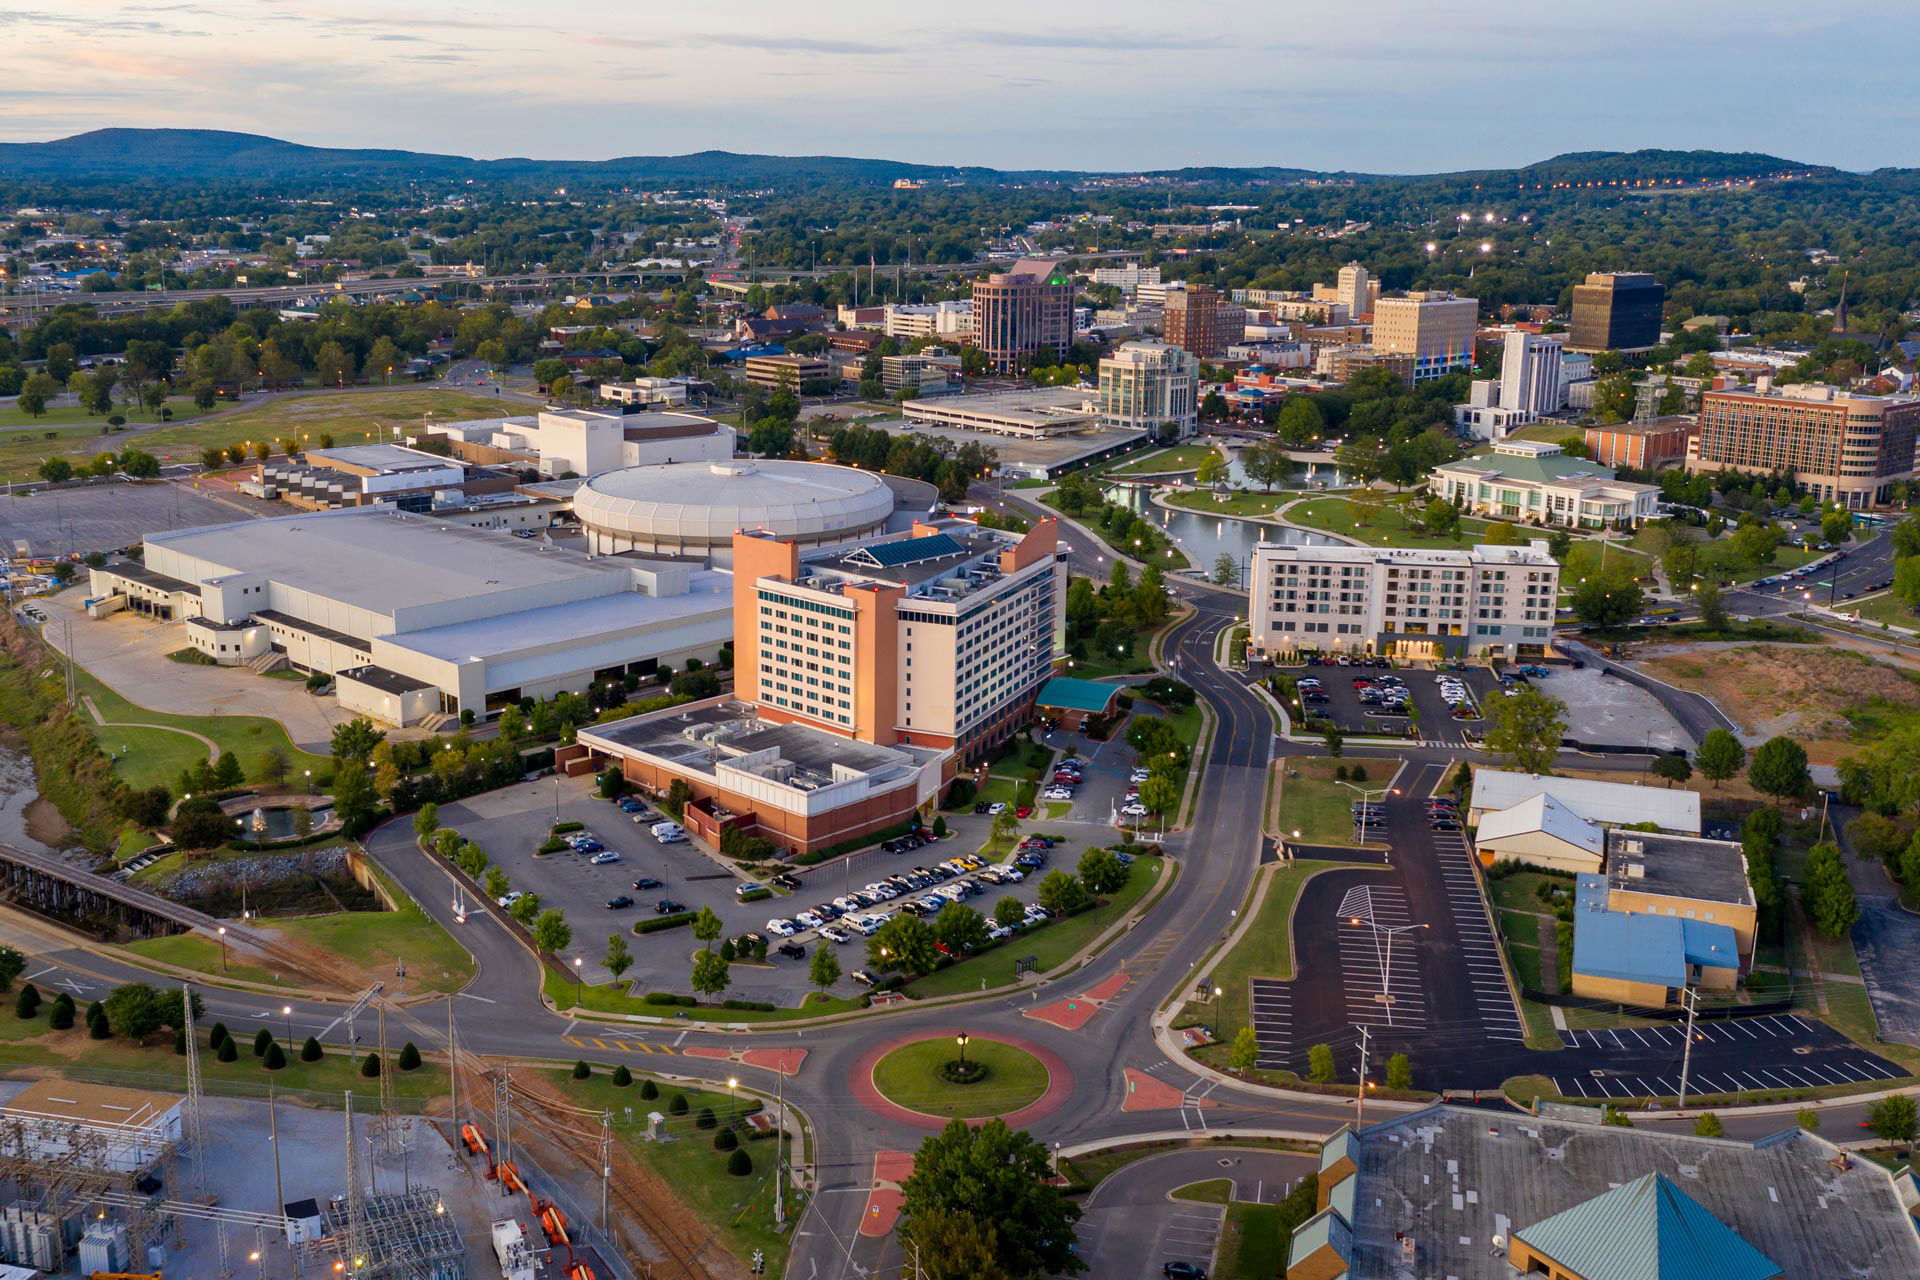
point(1384, 86)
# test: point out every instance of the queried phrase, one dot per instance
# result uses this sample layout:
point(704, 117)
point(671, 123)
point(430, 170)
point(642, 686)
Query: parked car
point(746, 887)
point(667, 907)
point(780, 928)
point(668, 832)
point(834, 936)
point(646, 882)
point(862, 977)
point(619, 903)
point(786, 880)
point(1184, 1271)
point(793, 951)
point(997, 808)
point(603, 857)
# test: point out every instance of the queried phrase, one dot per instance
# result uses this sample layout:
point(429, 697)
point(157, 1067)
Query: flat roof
point(1043, 409)
point(1613, 803)
point(1679, 866)
point(1532, 553)
point(133, 571)
point(577, 622)
point(378, 559)
point(382, 679)
point(385, 458)
point(95, 1104)
point(1073, 694)
point(1452, 1178)
point(701, 737)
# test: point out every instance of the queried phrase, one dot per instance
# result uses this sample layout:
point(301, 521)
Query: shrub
point(27, 1003)
point(62, 1016)
point(553, 844)
point(409, 1057)
point(262, 1041)
point(657, 923)
point(370, 1066)
point(228, 1050)
point(725, 1140)
point(677, 1105)
point(311, 1051)
point(739, 1164)
point(705, 1119)
point(276, 1058)
point(649, 1090)
point(622, 1077)
point(567, 828)
point(581, 1070)
point(755, 895)
point(1358, 773)
point(180, 1042)
point(98, 1029)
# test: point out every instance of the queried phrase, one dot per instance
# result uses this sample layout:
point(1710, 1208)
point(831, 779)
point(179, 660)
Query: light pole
point(1366, 797)
point(1217, 993)
point(1386, 963)
point(733, 1082)
point(286, 1011)
point(578, 981)
point(961, 1040)
point(223, 948)
point(309, 774)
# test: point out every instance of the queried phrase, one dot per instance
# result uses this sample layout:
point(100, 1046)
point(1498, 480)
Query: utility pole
point(780, 1152)
point(1691, 999)
point(606, 1164)
point(1360, 1112)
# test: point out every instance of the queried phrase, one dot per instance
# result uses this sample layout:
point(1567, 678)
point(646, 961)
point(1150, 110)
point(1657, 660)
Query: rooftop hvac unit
point(1636, 871)
point(1633, 846)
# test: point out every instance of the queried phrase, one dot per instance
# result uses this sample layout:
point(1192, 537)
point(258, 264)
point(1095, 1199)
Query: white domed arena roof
point(710, 501)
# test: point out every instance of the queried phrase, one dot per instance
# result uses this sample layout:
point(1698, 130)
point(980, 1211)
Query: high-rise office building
point(1200, 321)
point(939, 638)
point(1355, 289)
point(1433, 327)
point(1530, 375)
point(1145, 385)
point(1844, 448)
point(1018, 311)
point(1616, 311)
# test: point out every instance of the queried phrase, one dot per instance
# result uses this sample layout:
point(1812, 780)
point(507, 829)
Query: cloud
point(743, 40)
point(1095, 41)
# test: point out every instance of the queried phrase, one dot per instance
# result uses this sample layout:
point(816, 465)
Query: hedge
point(764, 1006)
point(669, 997)
point(658, 923)
point(755, 895)
point(552, 844)
point(563, 828)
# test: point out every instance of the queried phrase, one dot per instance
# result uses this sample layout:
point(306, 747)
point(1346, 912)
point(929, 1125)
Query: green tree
point(951, 1244)
point(27, 1003)
point(1712, 603)
point(1399, 1072)
point(35, 393)
point(1906, 577)
point(1609, 599)
point(1673, 768)
point(1062, 894)
point(1009, 912)
point(1836, 527)
point(1525, 730)
point(276, 1058)
point(960, 929)
point(56, 470)
point(619, 959)
point(1213, 469)
point(311, 1051)
point(1245, 1053)
point(903, 944)
point(710, 975)
point(426, 820)
point(707, 926)
point(551, 932)
point(823, 970)
point(1807, 1118)
point(1827, 892)
point(525, 910)
point(12, 964)
point(1613, 398)
point(1266, 463)
point(1159, 793)
point(1893, 1118)
point(1720, 756)
point(1000, 1176)
point(1707, 1125)
point(1320, 1063)
point(135, 1009)
point(355, 739)
point(1779, 769)
point(409, 1057)
point(1102, 872)
point(1226, 569)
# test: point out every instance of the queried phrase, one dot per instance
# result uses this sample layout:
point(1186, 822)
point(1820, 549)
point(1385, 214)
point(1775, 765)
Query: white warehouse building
point(416, 617)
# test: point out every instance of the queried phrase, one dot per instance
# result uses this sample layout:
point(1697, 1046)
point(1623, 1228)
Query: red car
point(1024, 811)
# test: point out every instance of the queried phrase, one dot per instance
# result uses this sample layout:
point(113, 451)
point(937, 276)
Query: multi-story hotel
point(1408, 603)
point(1145, 385)
point(939, 638)
point(1018, 311)
point(1434, 327)
point(1843, 447)
point(1198, 320)
point(1616, 311)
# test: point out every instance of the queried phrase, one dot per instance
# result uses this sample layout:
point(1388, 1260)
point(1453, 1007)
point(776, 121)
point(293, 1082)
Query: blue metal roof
point(1709, 945)
point(887, 555)
point(1629, 948)
point(1647, 1229)
point(1071, 694)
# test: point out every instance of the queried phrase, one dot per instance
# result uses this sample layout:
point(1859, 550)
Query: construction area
point(96, 1178)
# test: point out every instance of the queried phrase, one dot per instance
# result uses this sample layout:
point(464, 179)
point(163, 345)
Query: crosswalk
point(1479, 949)
point(625, 1046)
point(1379, 964)
point(1271, 1006)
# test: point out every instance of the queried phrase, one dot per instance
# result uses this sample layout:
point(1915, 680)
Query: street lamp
point(1386, 966)
point(223, 948)
point(961, 1040)
point(286, 1011)
point(309, 774)
point(733, 1082)
point(577, 962)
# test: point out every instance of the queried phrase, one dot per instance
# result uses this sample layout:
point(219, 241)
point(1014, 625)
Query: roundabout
point(928, 1080)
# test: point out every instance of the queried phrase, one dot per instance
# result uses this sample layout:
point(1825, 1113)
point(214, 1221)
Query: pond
point(277, 823)
point(1205, 538)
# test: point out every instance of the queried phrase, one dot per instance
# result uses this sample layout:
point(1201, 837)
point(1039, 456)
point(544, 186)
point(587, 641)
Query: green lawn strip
point(133, 840)
point(1134, 662)
point(1885, 608)
point(1387, 529)
point(248, 737)
point(1316, 805)
point(567, 994)
point(1238, 503)
point(380, 939)
point(1254, 1242)
point(1184, 457)
point(1585, 556)
point(738, 1210)
point(1057, 809)
point(910, 1076)
point(15, 419)
point(1526, 964)
point(353, 418)
point(1206, 1191)
point(1051, 944)
point(1518, 892)
point(1265, 950)
point(202, 955)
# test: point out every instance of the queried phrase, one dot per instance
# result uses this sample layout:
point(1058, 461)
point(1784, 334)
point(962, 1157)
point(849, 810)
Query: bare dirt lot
point(1829, 700)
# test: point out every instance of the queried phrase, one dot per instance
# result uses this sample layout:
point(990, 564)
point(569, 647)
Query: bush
point(725, 1140)
point(704, 1119)
point(311, 1050)
point(1358, 773)
point(677, 1105)
point(262, 1041)
point(764, 1006)
point(98, 1029)
point(276, 1058)
point(370, 1066)
point(739, 1164)
point(657, 923)
point(553, 844)
point(27, 1003)
point(228, 1051)
point(567, 828)
point(409, 1057)
point(61, 1018)
point(649, 1090)
point(581, 1070)
point(755, 895)
point(622, 1077)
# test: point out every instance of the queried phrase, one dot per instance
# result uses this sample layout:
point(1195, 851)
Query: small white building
point(1610, 804)
point(1538, 483)
point(99, 1126)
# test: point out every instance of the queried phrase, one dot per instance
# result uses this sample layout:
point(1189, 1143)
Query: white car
point(809, 919)
point(1011, 872)
point(998, 932)
point(834, 936)
point(1037, 913)
point(1056, 793)
point(1133, 811)
point(867, 925)
point(884, 889)
point(847, 904)
point(781, 928)
point(997, 808)
point(1138, 775)
point(510, 897)
point(604, 857)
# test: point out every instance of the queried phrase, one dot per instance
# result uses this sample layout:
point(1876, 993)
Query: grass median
point(1312, 801)
point(1265, 950)
point(911, 1077)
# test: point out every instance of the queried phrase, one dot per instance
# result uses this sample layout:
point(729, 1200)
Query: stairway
point(268, 661)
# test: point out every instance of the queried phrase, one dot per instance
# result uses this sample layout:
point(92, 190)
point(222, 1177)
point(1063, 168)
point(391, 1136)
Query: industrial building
point(1456, 1192)
point(417, 618)
point(585, 442)
point(359, 474)
point(1669, 912)
point(695, 508)
point(1408, 602)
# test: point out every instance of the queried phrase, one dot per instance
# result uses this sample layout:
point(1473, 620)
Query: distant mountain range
point(209, 154)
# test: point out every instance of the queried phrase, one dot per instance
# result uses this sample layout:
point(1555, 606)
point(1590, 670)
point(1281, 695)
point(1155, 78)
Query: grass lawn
point(157, 755)
point(350, 418)
point(910, 1076)
point(1051, 945)
point(1520, 891)
point(1583, 560)
point(1207, 1191)
point(1315, 805)
point(1184, 457)
point(202, 955)
point(1884, 608)
point(1387, 529)
point(1549, 432)
point(738, 1210)
point(1265, 950)
point(76, 435)
point(1098, 664)
point(1253, 1243)
point(613, 998)
point(377, 940)
point(1237, 503)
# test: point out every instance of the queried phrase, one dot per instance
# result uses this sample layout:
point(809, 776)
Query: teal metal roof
point(1647, 1229)
point(1070, 694)
point(1323, 1229)
point(1339, 1143)
point(1546, 470)
point(888, 555)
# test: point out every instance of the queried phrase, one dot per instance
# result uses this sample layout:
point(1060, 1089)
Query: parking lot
point(1372, 707)
point(1734, 1055)
point(510, 825)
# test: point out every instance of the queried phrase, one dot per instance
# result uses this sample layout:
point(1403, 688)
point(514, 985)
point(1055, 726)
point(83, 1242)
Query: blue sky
point(1374, 85)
